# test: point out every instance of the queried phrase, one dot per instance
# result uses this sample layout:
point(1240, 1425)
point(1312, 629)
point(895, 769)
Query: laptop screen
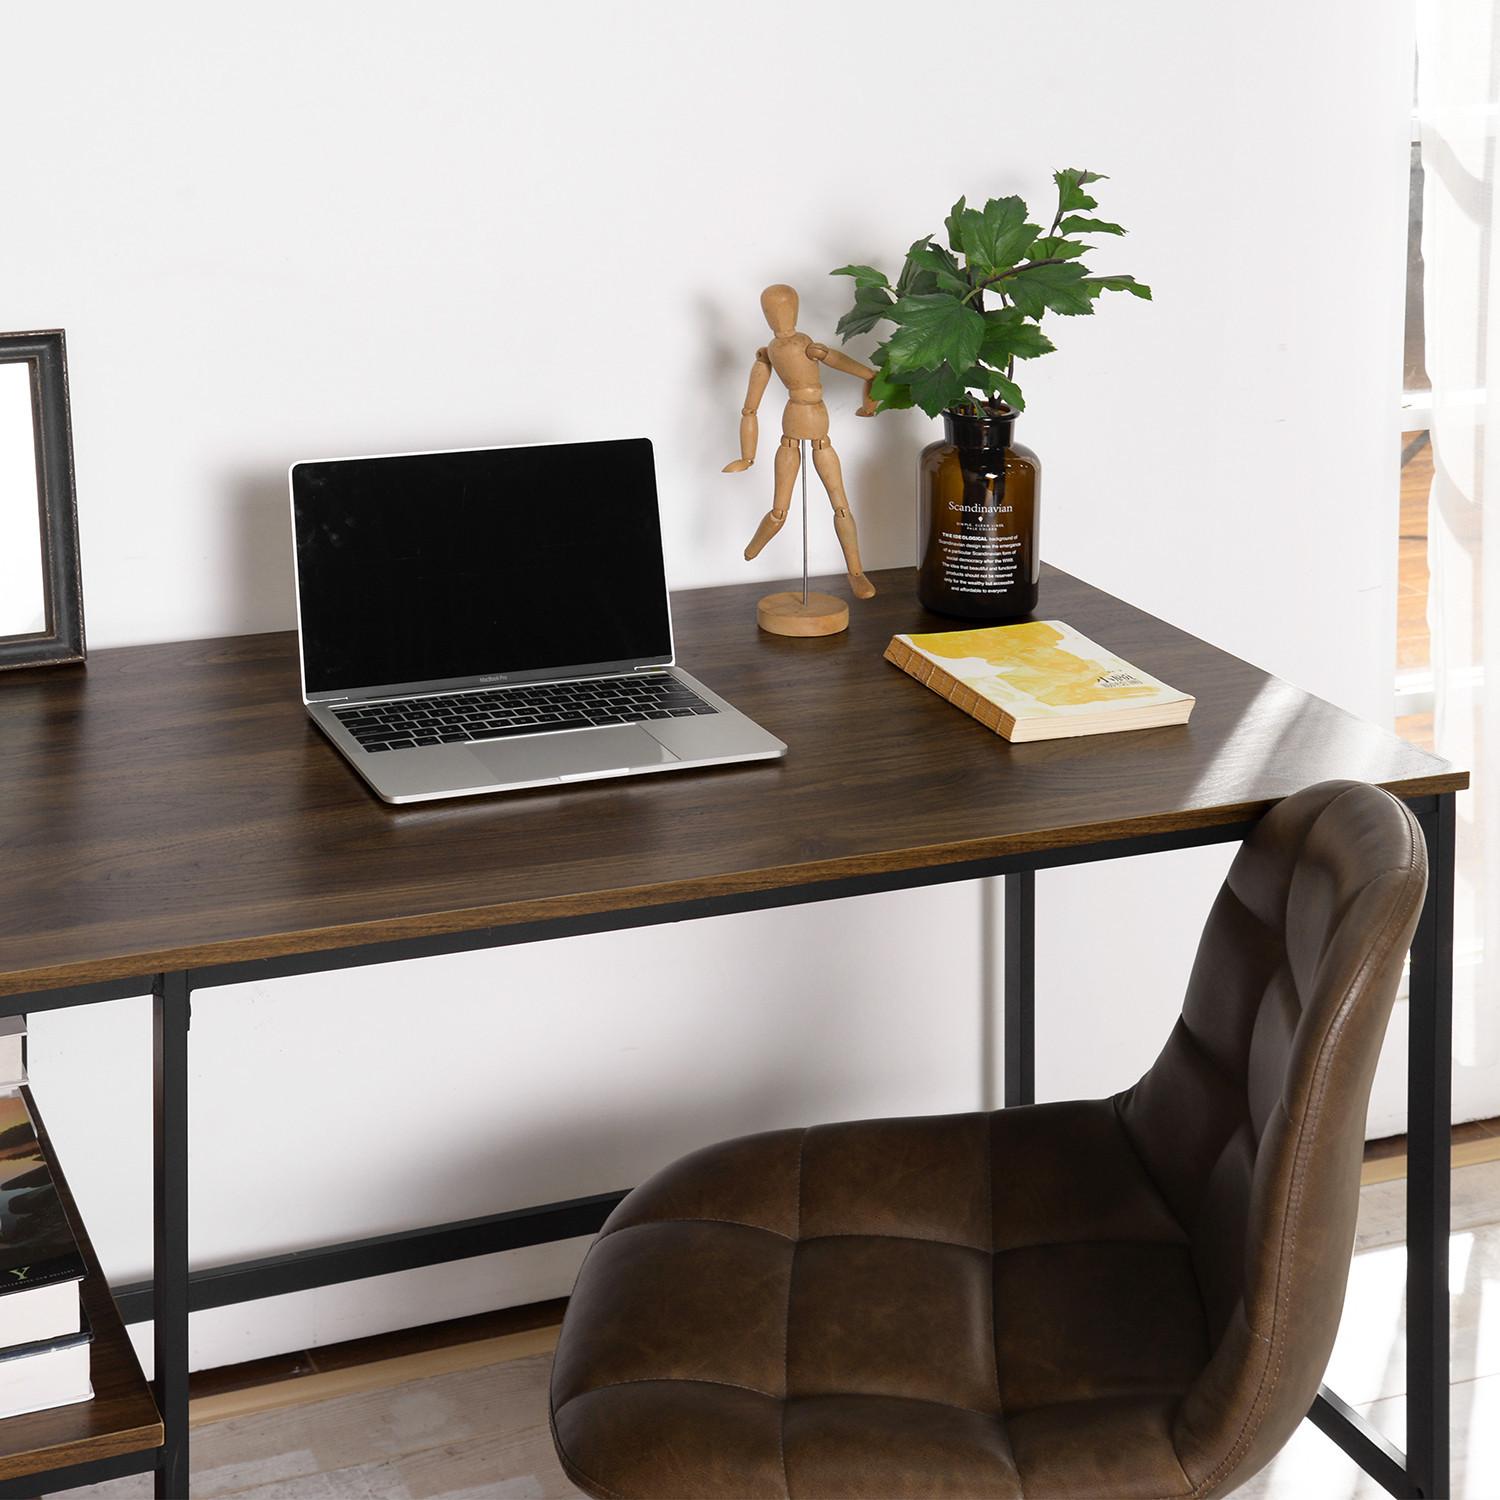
point(498, 563)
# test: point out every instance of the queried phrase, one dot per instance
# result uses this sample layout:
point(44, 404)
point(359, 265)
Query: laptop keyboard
point(500, 713)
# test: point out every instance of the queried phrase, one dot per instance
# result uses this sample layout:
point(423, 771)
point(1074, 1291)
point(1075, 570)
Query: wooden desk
point(171, 820)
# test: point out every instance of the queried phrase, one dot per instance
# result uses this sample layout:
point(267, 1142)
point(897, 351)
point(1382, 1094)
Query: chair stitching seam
point(921, 1239)
point(580, 1475)
point(1228, 1074)
point(1144, 1392)
point(1147, 1173)
point(1186, 1243)
point(733, 1385)
point(857, 1233)
point(552, 1375)
point(569, 1467)
point(1269, 1377)
point(1307, 1131)
point(784, 1402)
point(1245, 1435)
point(912, 1239)
point(989, 1208)
point(698, 1219)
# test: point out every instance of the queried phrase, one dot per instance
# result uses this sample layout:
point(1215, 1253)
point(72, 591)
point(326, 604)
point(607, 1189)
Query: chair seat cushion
point(986, 1304)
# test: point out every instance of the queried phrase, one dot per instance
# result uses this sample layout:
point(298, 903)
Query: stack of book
point(44, 1333)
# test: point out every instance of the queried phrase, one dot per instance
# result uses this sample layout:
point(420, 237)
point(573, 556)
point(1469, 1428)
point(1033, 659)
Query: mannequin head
point(779, 304)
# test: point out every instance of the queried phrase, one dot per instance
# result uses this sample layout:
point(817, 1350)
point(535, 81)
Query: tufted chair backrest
point(1252, 1119)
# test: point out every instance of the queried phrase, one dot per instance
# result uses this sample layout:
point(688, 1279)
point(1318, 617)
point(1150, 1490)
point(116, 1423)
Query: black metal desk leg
point(1429, 1115)
point(1020, 988)
point(170, 1015)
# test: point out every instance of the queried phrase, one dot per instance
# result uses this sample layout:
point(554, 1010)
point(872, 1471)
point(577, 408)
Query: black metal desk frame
point(174, 1290)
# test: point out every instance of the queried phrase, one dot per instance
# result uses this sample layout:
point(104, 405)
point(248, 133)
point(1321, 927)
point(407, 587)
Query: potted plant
point(954, 355)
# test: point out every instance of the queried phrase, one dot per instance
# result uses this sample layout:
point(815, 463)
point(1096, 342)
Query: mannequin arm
point(760, 376)
point(834, 360)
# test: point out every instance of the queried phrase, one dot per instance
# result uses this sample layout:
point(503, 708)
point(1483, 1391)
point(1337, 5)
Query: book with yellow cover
point(1040, 680)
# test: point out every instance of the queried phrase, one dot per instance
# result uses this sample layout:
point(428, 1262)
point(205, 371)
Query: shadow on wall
point(722, 510)
point(781, 1078)
point(259, 577)
point(879, 456)
point(883, 487)
point(259, 592)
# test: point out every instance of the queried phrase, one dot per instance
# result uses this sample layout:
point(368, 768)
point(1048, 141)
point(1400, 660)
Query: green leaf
point(951, 223)
point(937, 389)
point(948, 274)
point(863, 275)
point(1060, 288)
point(1075, 224)
point(871, 304)
point(1096, 284)
point(934, 328)
point(1008, 335)
point(890, 394)
point(993, 383)
point(1070, 193)
point(915, 279)
point(996, 237)
point(1057, 248)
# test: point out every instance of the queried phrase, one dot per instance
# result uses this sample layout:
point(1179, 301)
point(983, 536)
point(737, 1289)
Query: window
point(1414, 682)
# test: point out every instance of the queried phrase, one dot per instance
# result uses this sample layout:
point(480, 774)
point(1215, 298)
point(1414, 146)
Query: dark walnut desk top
point(171, 806)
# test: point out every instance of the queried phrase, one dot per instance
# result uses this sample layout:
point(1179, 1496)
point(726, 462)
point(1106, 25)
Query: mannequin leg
point(826, 462)
point(788, 461)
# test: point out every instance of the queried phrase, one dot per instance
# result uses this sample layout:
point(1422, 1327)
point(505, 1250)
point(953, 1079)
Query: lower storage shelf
point(119, 1429)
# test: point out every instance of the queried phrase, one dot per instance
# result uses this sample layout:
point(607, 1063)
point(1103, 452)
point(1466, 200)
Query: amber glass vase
point(978, 497)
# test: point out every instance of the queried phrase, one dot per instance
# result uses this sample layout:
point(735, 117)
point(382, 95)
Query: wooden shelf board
point(122, 1418)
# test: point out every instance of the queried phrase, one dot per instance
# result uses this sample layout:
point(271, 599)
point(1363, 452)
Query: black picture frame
point(61, 641)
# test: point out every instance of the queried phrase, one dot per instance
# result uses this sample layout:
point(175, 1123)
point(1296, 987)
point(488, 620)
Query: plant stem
point(1030, 265)
point(1057, 217)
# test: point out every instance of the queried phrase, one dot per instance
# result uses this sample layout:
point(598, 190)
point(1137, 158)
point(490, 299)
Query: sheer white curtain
point(1458, 87)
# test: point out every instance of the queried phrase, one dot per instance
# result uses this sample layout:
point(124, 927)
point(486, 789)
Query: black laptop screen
point(502, 562)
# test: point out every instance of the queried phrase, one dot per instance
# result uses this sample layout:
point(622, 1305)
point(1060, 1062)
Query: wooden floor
point(428, 1346)
point(1413, 639)
point(465, 1420)
point(1413, 644)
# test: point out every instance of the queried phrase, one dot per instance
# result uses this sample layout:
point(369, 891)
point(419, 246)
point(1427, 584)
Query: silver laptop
point(497, 618)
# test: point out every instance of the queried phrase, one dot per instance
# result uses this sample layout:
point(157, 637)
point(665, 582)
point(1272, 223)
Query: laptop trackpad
point(617, 748)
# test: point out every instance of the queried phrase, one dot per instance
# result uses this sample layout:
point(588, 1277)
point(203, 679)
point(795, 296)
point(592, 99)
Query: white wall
point(293, 230)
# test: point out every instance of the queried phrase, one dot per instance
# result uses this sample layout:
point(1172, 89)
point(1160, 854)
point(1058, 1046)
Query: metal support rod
point(381, 1255)
point(1369, 1448)
point(169, 1278)
point(1428, 1148)
point(1020, 988)
point(802, 467)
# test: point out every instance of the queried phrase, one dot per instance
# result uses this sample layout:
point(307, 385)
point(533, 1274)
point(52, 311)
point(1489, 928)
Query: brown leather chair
point(1132, 1296)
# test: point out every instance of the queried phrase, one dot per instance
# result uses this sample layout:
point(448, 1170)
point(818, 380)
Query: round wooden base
point(786, 614)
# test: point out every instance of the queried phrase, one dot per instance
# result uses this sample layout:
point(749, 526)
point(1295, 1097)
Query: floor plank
point(1413, 643)
point(1413, 638)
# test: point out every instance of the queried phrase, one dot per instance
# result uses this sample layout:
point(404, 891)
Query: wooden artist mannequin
point(796, 359)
